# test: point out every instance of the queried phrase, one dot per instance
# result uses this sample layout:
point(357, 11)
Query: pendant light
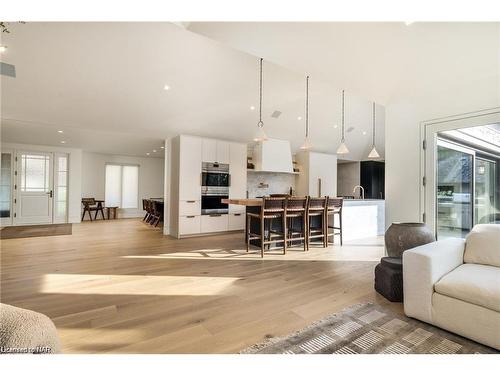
point(260, 135)
point(373, 153)
point(343, 148)
point(307, 145)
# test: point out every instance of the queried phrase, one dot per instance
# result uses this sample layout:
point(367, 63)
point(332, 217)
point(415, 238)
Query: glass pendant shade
point(342, 148)
point(373, 153)
point(260, 135)
point(306, 145)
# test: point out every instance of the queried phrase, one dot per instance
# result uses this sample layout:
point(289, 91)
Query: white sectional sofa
point(455, 284)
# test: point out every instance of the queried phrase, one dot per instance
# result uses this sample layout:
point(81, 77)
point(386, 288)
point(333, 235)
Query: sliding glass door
point(455, 177)
point(485, 191)
point(466, 189)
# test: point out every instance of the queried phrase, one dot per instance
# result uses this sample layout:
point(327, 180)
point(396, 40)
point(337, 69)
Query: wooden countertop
point(244, 201)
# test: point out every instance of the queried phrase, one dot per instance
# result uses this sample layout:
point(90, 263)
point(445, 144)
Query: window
point(61, 187)
point(5, 185)
point(122, 186)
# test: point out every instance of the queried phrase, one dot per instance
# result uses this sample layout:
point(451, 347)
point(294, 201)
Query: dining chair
point(93, 205)
point(316, 210)
point(334, 207)
point(295, 208)
point(145, 208)
point(272, 208)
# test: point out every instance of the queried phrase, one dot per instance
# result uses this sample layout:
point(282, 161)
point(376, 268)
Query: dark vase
point(403, 236)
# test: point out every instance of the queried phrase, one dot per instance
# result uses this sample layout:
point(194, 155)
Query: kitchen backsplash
point(264, 183)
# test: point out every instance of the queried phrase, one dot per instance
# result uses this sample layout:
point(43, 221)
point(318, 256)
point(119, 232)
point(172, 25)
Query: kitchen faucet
point(361, 188)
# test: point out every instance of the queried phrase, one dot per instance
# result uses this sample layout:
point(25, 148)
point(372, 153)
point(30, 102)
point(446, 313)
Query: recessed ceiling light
point(408, 23)
point(162, 147)
point(166, 87)
point(299, 118)
point(147, 153)
point(364, 133)
point(154, 150)
point(60, 131)
point(3, 49)
point(335, 126)
point(63, 141)
point(252, 108)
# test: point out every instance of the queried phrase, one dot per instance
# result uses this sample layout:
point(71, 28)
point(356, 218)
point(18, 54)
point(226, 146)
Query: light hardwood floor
point(121, 286)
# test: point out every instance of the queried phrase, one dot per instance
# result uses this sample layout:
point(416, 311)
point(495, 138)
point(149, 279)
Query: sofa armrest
point(423, 266)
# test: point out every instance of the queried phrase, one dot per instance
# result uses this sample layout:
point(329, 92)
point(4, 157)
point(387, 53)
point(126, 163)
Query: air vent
point(276, 114)
point(7, 70)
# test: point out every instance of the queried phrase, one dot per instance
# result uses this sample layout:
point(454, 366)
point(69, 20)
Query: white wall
point(479, 91)
point(74, 175)
point(151, 180)
point(348, 176)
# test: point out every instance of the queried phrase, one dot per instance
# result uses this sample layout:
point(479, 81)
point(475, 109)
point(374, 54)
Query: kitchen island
point(361, 218)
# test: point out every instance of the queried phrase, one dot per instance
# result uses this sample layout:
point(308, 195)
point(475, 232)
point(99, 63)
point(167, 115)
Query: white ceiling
point(381, 61)
point(108, 78)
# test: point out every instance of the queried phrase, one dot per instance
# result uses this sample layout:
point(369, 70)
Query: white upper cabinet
point(238, 172)
point(190, 168)
point(318, 174)
point(223, 152)
point(322, 174)
point(209, 150)
point(214, 151)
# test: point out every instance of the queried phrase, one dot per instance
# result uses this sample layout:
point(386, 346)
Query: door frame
point(17, 187)
point(428, 145)
point(8, 221)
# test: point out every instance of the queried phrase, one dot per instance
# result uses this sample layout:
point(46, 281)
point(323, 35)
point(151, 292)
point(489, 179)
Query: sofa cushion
point(482, 245)
point(474, 283)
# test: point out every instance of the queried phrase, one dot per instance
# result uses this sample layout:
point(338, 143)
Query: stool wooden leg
point(284, 230)
point(262, 237)
point(247, 230)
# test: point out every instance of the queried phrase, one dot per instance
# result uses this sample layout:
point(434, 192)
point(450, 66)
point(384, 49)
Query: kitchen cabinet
point(236, 220)
point(189, 224)
point(318, 174)
point(372, 178)
point(187, 155)
point(192, 207)
point(238, 173)
point(215, 151)
point(190, 168)
point(214, 223)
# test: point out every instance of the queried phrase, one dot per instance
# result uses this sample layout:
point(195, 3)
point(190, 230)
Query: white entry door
point(34, 187)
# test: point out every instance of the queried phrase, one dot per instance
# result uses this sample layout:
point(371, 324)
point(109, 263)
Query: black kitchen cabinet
point(373, 179)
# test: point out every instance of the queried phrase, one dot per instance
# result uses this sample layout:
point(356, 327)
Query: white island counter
point(363, 218)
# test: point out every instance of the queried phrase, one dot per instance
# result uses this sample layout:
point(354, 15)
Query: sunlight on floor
point(135, 284)
point(369, 250)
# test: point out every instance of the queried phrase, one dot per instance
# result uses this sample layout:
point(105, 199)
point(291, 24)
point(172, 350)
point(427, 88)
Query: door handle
point(50, 193)
point(319, 187)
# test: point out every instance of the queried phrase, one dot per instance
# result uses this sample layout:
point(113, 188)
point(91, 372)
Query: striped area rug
point(369, 329)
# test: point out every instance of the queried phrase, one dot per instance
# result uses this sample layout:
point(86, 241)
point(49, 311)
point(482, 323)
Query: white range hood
point(273, 155)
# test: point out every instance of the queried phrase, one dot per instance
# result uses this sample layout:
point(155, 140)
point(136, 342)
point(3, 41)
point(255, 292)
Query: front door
point(34, 187)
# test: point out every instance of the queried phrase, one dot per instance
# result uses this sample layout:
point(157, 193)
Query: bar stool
point(296, 208)
point(316, 208)
point(145, 208)
point(334, 207)
point(272, 208)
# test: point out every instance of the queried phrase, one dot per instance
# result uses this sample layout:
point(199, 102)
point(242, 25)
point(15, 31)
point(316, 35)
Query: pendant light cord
point(343, 133)
point(373, 132)
point(260, 123)
point(307, 106)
